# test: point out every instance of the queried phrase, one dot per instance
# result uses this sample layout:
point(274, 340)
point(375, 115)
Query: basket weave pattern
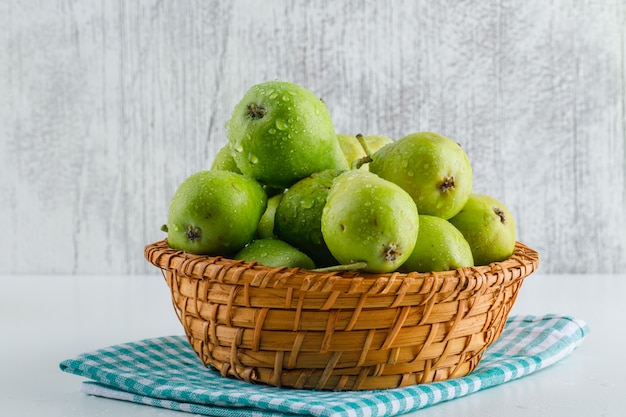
point(339, 331)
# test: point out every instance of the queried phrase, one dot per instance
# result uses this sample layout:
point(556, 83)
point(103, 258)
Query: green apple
point(432, 168)
point(215, 213)
point(488, 227)
point(369, 219)
point(281, 132)
point(299, 216)
point(439, 247)
point(274, 253)
point(354, 150)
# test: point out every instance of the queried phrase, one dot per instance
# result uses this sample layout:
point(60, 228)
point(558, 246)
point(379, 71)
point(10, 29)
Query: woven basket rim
point(524, 259)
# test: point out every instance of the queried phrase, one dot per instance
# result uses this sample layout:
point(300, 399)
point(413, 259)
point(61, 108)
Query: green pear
point(350, 147)
point(274, 253)
point(354, 150)
point(299, 216)
point(369, 219)
point(224, 161)
point(374, 143)
point(281, 132)
point(439, 247)
point(432, 168)
point(265, 229)
point(488, 227)
point(215, 213)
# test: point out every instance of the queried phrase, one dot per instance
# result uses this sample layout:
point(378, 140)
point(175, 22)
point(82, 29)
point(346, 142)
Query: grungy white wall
point(107, 106)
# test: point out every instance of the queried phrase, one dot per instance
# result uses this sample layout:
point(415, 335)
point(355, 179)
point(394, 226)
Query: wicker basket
point(339, 331)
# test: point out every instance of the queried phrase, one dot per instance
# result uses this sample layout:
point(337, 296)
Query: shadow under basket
point(289, 327)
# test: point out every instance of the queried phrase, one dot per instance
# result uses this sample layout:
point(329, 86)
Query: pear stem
point(361, 140)
point(348, 267)
point(358, 163)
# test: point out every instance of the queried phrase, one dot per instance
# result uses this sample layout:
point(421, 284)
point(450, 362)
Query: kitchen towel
point(165, 372)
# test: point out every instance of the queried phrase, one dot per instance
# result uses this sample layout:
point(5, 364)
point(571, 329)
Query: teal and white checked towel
point(165, 372)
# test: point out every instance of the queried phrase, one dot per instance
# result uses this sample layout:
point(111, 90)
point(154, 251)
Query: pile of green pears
point(287, 191)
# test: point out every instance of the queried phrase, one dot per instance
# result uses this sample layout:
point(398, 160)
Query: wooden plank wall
point(107, 106)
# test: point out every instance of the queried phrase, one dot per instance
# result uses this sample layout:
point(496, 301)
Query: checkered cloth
point(165, 372)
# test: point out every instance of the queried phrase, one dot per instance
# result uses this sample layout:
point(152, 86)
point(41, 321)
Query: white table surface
point(46, 319)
